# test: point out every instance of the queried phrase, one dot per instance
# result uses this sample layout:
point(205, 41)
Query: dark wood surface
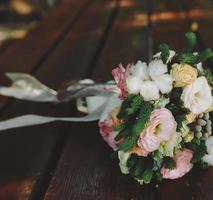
point(87, 38)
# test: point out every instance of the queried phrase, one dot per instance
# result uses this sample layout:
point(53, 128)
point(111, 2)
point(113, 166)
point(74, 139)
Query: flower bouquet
point(157, 117)
point(162, 126)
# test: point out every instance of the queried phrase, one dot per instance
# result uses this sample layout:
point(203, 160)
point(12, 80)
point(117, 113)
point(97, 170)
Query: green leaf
point(137, 171)
point(127, 144)
point(142, 119)
point(188, 58)
point(134, 121)
point(206, 54)
point(131, 162)
point(123, 133)
point(164, 48)
point(169, 163)
point(191, 40)
point(119, 127)
point(147, 175)
point(209, 76)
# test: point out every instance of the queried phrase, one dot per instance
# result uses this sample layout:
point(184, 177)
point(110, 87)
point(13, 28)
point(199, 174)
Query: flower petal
point(164, 83)
point(157, 68)
point(149, 91)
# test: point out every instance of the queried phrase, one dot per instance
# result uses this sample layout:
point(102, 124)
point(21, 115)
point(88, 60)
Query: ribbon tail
point(30, 120)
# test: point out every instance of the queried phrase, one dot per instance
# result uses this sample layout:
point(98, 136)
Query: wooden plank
point(85, 170)
point(197, 184)
point(30, 52)
point(201, 15)
point(128, 40)
point(169, 23)
point(33, 152)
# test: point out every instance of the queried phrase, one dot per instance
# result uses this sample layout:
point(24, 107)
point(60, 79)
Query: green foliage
point(147, 175)
point(176, 107)
point(188, 58)
point(136, 166)
point(191, 41)
point(209, 76)
point(164, 48)
point(206, 54)
point(142, 168)
point(135, 113)
point(157, 160)
point(127, 144)
point(169, 163)
point(198, 146)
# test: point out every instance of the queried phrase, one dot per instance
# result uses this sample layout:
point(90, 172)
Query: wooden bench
point(87, 38)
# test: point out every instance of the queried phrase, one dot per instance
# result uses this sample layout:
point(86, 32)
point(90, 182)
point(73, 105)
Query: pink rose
point(120, 75)
point(183, 165)
point(161, 127)
point(108, 133)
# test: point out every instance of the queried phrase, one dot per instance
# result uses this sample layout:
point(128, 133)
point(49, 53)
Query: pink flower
point(108, 133)
point(183, 165)
point(120, 75)
point(161, 127)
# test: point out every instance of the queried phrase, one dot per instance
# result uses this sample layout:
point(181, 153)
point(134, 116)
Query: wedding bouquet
point(157, 117)
point(162, 126)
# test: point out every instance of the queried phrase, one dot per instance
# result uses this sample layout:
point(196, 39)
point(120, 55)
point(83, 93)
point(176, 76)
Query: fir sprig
point(135, 113)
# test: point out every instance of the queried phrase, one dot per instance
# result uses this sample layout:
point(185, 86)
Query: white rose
point(133, 84)
point(139, 70)
point(208, 158)
point(123, 157)
point(149, 91)
point(197, 97)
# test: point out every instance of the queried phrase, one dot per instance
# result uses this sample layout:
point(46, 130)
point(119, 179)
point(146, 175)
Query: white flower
point(133, 84)
point(208, 158)
point(171, 55)
point(149, 91)
point(139, 70)
point(157, 68)
point(123, 157)
point(149, 81)
point(197, 97)
point(164, 83)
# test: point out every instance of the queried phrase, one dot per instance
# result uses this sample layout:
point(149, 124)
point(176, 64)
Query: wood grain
point(27, 54)
point(30, 154)
point(85, 170)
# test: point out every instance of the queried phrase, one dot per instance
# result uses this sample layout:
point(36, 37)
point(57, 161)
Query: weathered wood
point(27, 54)
point(29, 155)
point(201, 16)
point(169, 23)
point(128, 41)
point(197, 184)
point(85, 170)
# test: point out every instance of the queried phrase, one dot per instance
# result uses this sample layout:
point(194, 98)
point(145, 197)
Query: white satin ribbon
point(27, 87)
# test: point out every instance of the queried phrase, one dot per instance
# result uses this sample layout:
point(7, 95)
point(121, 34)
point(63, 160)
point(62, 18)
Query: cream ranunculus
point(183, 74)
point(197, 97)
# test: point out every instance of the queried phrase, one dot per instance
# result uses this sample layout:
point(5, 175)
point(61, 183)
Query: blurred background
point(17, 17)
